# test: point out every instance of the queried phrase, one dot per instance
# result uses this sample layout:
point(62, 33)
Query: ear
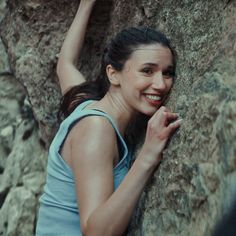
point(112, 75)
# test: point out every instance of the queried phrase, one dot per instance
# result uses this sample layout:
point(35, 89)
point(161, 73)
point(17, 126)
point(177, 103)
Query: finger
point(174, 125)
point(166, 117)
point(160, 116)
point(160, 111)
point(171, 116)
point(163, 108)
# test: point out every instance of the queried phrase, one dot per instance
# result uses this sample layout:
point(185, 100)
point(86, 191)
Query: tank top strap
point(83, 105)
point(79, 113)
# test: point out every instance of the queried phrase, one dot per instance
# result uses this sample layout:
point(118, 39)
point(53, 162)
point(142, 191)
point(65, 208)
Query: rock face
point(196, 181)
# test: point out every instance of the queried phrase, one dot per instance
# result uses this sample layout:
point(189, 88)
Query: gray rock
point(4, 64)
point(2, 8)
point(195, 183)
point(17, 215)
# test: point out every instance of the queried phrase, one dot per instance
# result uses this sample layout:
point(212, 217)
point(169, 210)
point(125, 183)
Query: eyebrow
point(155, 64)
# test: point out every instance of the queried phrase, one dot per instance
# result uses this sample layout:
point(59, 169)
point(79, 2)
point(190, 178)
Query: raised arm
point(104, 211)
point(67, 72)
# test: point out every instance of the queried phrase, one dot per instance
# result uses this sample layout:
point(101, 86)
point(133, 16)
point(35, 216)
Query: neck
point(117, 108)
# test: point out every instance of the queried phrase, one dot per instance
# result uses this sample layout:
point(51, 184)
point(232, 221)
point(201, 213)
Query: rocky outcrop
point(22, 157)
point(195, 183)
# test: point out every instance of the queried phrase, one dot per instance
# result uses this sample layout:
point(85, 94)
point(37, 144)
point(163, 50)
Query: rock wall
point(196, 182)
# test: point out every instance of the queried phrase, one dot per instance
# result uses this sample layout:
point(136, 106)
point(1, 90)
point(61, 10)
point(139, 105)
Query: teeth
point(153, 97)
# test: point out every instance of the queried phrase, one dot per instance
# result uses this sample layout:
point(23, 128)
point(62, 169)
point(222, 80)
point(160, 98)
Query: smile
point(153, 97)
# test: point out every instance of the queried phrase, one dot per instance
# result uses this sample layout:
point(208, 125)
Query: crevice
point(227, 3)
point(1, 170)
point(42, 143)
point(27, 134)
point(3, 196)
point(20, 184)
point(7, 151)
point(6, 73)
point(142, 11)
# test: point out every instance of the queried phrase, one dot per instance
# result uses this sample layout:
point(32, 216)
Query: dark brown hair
point(116, 54)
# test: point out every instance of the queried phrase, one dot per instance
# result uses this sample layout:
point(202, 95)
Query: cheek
point(170, 84)
point(133, 81)
point(142, 83)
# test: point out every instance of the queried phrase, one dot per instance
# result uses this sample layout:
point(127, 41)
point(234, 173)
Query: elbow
point(64, 66)
point(59, 67)
point(96, 229)
point(64, 62)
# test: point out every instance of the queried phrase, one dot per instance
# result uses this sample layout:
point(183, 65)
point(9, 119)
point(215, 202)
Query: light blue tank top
point(58, 212)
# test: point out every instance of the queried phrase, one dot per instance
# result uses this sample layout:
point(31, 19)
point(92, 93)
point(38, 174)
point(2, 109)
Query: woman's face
point(147, 78)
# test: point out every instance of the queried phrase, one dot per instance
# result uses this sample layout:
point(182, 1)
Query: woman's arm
point(67, 72)
point(103, 211)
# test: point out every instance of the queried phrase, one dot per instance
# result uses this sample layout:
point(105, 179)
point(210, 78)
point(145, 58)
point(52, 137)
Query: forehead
point(153, 53)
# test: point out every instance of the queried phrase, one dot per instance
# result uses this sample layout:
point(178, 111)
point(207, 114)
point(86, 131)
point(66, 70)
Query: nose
point(158, 81)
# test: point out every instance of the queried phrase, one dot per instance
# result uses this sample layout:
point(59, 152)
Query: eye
point(169, 74)
point(147, 71)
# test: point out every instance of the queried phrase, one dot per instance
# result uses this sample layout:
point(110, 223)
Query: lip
point(153, 102)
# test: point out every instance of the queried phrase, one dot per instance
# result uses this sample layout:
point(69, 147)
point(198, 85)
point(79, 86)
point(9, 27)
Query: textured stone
point(2, 9)
point(24, 166)
point(18, 164)
point(195, 183)
point(4, 64)
point(11, 95)
point(17, 214)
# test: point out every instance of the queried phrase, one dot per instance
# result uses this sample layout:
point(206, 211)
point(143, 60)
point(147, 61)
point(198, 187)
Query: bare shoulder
point(93, 127)
point(93, 139)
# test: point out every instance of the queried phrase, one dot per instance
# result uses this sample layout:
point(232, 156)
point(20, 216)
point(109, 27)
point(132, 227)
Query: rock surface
point(196, 182)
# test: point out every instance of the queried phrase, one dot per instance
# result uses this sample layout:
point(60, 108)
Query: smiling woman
point(90, 178)
point(147, 77)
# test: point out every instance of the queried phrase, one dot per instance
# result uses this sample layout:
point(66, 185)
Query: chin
point(150, 111)
point(150, 108)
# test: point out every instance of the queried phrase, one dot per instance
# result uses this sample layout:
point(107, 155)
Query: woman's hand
point(160, 127)
point(87, 1)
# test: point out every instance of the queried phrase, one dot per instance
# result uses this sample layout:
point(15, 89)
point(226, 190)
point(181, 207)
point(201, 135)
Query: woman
point(90, 188)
